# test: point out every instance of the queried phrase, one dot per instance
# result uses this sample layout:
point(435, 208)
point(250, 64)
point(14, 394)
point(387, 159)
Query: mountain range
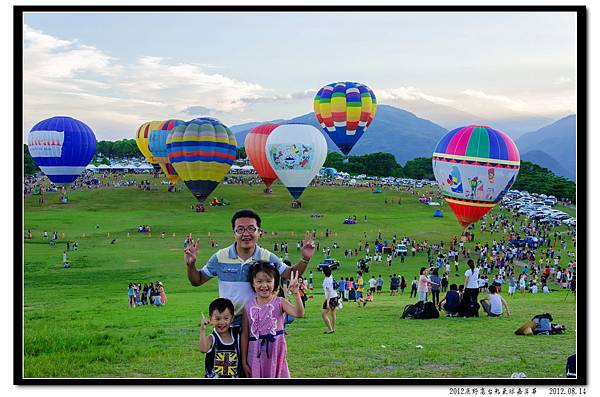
point(407, 136)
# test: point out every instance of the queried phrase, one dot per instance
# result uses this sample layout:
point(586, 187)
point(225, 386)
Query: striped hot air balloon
point(202, 152)
point(255, 145)
point(157, 143)
point(62, 147)
point(345, 110)
point(141, 139)
point(474, 167)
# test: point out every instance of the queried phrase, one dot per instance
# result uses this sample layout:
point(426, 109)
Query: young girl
point(263, 344)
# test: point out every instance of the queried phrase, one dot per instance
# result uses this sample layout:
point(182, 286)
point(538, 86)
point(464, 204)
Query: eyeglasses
point(242, 229)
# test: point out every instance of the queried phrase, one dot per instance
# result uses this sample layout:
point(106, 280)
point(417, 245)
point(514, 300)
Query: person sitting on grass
point(451, 301)
point(222, 345)
point(157, 302)
point(493, 303)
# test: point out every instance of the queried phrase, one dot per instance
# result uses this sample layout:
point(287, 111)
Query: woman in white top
point(331, 301)
point(471, 288)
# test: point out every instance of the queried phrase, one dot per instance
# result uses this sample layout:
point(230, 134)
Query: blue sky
point(115, 71)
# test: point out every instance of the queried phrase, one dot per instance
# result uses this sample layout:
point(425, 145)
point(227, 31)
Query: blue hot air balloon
point(62, 147)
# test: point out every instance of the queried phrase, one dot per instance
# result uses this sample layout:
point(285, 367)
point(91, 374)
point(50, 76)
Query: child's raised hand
point(204, 321)
point(294, 286)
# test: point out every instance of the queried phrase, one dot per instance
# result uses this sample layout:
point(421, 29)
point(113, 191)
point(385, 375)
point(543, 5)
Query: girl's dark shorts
point(333, 303)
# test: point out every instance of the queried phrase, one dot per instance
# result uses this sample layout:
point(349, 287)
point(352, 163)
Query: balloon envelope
point(296, 152)
point(142, 136)
point(255, 145)
point(157, 143)
point(345, 110)
point(202, 152)
point(62, 147)
point(474, 167)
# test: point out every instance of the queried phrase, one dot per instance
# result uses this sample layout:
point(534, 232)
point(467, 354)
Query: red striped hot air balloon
point(255, 145)
point(474, 167)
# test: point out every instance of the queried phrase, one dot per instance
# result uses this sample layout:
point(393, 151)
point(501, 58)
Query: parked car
point(401, 249)
point(329, 262)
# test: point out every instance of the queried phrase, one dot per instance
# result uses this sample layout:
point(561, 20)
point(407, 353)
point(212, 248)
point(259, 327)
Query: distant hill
point(393, 130)
point(556, 140)
point(543, 159)
point(451, 118)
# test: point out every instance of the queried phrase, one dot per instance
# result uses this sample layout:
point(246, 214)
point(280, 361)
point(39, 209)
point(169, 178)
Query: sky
point(115, 71)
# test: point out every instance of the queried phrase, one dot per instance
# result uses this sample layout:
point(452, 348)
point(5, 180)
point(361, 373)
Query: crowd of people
point(148, 294)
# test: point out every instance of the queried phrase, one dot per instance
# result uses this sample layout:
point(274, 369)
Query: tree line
point(532, 177)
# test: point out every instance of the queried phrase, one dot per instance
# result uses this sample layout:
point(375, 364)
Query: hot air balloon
point(345, 110)
point(141, 139)
point(474, 167)
point(157, 143)
point(202, 152)
point(255, 144)
point(296, 152)
point(62, 147)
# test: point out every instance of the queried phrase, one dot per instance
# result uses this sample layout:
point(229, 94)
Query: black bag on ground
point(409, 311)
point(429, 311)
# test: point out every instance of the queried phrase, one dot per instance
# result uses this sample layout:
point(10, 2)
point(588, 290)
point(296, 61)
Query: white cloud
point(409, 94)
point(68, 77)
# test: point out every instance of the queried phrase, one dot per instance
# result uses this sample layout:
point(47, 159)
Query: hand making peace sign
point(308, 246)
point(190, 252)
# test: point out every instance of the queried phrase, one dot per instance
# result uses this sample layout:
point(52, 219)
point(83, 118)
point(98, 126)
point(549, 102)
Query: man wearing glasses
point(231, 265)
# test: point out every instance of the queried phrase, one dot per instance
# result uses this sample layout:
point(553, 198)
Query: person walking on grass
point(435, 286)
point(231, 265)
point(331, 301)
point(413, 287)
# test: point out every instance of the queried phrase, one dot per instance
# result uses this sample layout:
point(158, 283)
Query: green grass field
point(77, 322)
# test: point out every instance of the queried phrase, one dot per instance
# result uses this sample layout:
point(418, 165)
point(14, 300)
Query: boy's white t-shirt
point(495, 304)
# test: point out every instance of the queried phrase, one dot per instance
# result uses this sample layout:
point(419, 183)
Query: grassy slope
point(77, 323)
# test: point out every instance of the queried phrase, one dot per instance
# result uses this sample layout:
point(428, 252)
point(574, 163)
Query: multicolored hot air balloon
point(141, 139)
point(255, 145)
point(62, 147)
point(157, 143)
point(202, 152)
point(474, 167)
point(296, 152)
point(345, 110)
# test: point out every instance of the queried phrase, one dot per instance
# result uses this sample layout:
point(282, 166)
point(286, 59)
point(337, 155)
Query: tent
point(438, 214)
point(377, 190)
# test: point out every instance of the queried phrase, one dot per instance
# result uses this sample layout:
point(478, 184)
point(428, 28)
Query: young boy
point(493, 303)
point(222, 346)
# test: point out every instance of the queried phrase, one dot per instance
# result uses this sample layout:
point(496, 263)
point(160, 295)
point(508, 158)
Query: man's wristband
point(304, 260)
